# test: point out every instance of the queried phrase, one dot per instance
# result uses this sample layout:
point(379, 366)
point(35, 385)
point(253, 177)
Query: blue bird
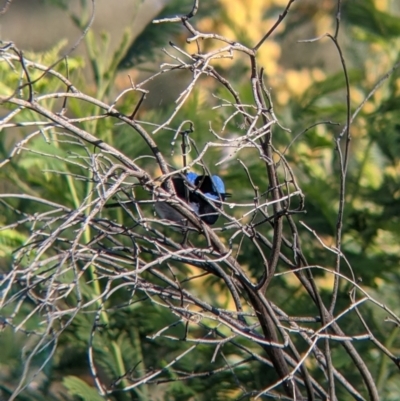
point(203, 194)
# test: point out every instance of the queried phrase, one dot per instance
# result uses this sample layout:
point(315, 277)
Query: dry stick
point(277, 23)
point(340, 212)
point(320, 357)
point(234, 46)
point(236, 325)
point(278, 254)
point(47, 69)
point(214, 268)
point(271, 245)
point(194, 10)
point(344, 161)
point(314, 293)
point(304, 372)
point(265, 319)
point(343, 172)
point(266, 322)
point(266, 145)
point(275, 354)
point(87, 137)
point(309, 285)
point(378, 344)
point(34, 105)
point(4, 9)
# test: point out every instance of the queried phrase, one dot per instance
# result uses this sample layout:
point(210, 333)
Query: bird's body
point(201, 192)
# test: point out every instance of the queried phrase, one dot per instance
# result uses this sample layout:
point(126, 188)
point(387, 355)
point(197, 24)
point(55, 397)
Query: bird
point(203, 193)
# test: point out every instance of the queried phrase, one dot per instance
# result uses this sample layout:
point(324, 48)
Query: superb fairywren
point(203, 194)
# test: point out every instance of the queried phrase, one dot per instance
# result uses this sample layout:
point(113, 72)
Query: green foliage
point(375, 24)
point(80, 389)
point(147, 44)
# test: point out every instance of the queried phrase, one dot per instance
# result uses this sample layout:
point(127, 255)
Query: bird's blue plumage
point(191, 177)
point(192, 188)
point(218, 188)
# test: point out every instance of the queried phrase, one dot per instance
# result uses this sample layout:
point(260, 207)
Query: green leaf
point(363, 13)
point(330, 85)
point(79, 388)
point(10, 240)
